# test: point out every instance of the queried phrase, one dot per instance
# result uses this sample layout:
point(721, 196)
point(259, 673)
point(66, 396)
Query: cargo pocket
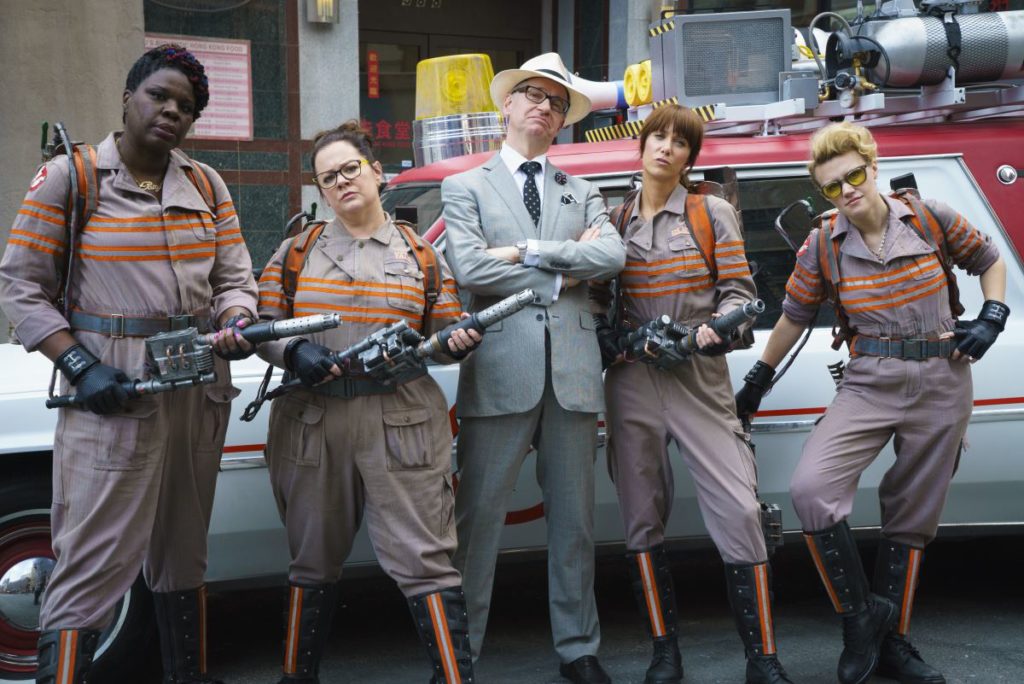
point(214, 416)
point(203, 227)
point(447, 505)
point(404, 285)
point(687, 261)
point(296, 432)
point(407, 438)
point(129, 440)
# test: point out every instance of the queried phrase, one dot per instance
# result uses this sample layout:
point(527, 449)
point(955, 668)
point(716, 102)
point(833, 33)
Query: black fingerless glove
point(98, 387)
point(310, 362)
point(975, 337)
point(610, 341)
point(236, 322)
point(755, 384)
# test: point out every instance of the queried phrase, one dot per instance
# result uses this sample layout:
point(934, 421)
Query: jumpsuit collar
point(640, 232)
point(901, 240)
point(178, 190)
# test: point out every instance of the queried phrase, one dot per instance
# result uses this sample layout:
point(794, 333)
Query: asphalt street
point(969, 622)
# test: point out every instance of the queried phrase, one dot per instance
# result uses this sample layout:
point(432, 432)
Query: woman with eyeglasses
point(881, 258)
point(345, 446)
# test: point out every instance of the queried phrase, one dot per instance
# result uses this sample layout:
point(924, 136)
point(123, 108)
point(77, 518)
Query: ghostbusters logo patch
point(803, 248)
point(680, 228)
point(38, 180)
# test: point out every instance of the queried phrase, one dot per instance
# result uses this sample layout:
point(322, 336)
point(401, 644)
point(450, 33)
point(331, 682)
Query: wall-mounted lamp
point(323, 11)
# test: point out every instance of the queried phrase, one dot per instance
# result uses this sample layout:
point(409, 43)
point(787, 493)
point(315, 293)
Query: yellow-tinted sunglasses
point(854, 177)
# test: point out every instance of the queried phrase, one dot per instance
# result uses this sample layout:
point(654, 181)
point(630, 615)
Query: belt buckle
point(914, 349)
point(348, 387)
point(116, 326)
point(886, 351)
point(180, 322)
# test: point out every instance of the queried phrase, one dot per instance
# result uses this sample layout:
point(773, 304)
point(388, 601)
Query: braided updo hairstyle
point(172, 56)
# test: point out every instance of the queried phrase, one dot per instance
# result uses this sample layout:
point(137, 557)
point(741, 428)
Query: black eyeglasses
point(855, 177)
point(537, 95)
point(349, 170)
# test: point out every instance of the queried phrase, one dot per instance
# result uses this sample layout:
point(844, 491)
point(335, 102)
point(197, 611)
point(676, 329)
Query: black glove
point(610, 341)
point(98, 387)
point(236, 322)
point(755, 384)
point(310, 362)
point(975, 337)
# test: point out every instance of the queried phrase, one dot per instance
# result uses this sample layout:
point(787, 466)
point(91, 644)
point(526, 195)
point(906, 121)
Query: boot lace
point(905, 649)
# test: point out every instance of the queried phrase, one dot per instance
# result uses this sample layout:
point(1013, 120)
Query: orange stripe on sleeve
point(32, 245)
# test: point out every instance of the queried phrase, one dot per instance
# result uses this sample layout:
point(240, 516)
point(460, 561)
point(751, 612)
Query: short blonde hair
point(838, 139)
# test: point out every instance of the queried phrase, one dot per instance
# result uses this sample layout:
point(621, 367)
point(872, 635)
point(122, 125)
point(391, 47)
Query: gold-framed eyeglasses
point(855, 177)
point(537, 95)
point(350, 170)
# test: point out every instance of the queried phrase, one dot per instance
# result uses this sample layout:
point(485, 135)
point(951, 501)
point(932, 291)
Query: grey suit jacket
point(483, 208)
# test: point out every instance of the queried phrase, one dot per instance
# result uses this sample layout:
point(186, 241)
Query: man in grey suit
point(516, 222)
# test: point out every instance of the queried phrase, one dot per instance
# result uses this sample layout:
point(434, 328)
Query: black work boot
point(867, 618)
point(651, 579)
point(443, 624)
point(181, 621)
point(750, 595)
point(310, 615)
point(896, 575)
point(65, 655)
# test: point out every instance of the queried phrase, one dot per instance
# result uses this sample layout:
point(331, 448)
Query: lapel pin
point(560, 178)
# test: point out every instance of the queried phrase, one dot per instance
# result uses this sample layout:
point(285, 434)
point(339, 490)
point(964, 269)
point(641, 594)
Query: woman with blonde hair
point(885, 264)
point(670, 271)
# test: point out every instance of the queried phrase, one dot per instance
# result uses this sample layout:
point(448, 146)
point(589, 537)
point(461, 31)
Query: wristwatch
point(522, 247)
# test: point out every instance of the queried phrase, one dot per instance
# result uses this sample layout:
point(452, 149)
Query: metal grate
point(749, 56)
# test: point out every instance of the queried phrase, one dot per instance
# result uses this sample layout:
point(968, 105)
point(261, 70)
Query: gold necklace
point(881, 243)
point(147, 185)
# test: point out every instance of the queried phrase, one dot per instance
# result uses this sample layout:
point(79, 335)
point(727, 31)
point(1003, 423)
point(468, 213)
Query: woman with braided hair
point(157, 248)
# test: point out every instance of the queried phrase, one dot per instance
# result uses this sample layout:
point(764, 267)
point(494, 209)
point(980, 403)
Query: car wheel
point(26, 561)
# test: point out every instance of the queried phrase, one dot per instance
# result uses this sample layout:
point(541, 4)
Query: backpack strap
point(620, 214)
point(930, 230)
point(295, 261)
point(197, 176)
point(83, 165)
point(828, 263)
point(426, 259)
point(699, 218)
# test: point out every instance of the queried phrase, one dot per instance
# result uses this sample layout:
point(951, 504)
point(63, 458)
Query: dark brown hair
point(350, 132)
point(684, 123)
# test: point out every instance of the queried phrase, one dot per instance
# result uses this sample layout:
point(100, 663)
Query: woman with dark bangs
point(133, 479)
point(668, 272)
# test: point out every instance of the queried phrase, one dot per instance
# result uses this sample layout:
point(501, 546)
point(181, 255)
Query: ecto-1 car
point(965, 163)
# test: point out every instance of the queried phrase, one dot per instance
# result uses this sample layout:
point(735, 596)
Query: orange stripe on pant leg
point(66, 656)
point(291, 644)
point(913, 566)
point(764, 609)
point(443, 637)
point(650, 589)
point(202, 629)
point(821, 571)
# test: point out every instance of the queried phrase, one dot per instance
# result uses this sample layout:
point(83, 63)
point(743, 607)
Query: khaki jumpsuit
point(924, 405)
point(333, 460)
point(691, 403)
point(134, 489)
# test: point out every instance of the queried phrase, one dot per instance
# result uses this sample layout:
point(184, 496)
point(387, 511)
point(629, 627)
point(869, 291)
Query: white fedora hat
point(549, 65)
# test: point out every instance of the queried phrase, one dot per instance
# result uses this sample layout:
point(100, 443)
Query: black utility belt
point(117, 326)
point(914, 349)
point(362, 386)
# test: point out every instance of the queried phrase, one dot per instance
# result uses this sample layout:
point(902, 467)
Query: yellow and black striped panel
point(629, 129)
point(667, 101)
point(663, 27)
point(705, 112)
